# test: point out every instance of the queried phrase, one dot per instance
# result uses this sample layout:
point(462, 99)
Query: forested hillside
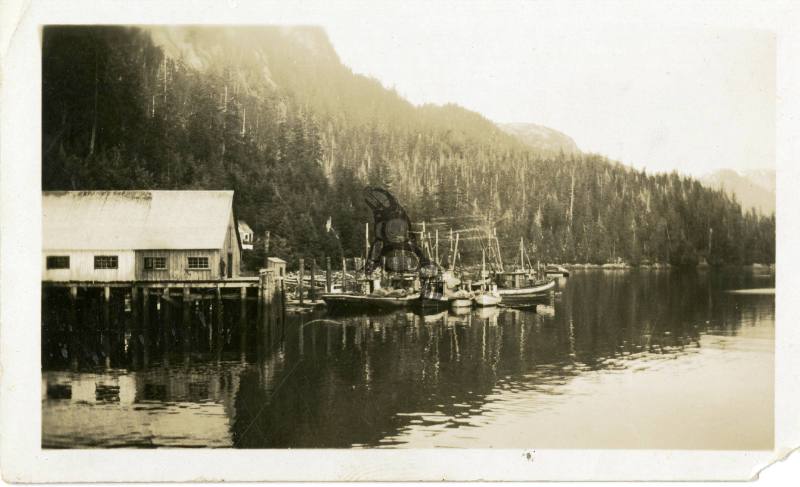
point(272, 114)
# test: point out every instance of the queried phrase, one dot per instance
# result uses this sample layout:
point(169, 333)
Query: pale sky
point(693, 99)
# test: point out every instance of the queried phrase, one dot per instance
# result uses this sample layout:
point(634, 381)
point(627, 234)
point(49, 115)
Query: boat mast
point(483, 269)
point(366, 247)
point(455, 254)
point(499, 253)
point(437, 246)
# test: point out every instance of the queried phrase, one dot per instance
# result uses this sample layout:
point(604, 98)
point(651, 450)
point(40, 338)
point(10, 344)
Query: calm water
point(613, 360)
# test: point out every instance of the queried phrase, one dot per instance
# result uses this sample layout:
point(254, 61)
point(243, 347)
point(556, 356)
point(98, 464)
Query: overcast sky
point(692, 99)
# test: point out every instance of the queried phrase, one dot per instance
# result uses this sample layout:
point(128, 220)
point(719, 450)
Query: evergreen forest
point(274, 115)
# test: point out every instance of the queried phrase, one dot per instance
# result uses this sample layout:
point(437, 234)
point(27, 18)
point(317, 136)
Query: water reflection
point(485, 377)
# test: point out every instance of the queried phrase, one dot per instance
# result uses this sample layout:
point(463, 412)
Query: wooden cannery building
point(139, 236)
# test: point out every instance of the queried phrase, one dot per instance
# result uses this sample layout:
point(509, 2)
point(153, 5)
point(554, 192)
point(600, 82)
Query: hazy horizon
point(691, 100)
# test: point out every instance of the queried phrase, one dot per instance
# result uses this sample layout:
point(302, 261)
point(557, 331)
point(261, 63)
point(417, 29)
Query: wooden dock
point(149, 311)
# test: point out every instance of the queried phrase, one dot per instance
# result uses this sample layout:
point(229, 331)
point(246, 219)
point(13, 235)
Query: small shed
point(246, 234)
point(129, 236)
point(278, 265)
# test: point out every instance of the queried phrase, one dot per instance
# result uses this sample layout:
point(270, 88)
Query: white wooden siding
point(178, 265)
point(81, 266)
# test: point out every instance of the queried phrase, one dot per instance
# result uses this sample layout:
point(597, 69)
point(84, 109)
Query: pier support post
point(344, 275)
point(166, 323)
point(186, 324)
point(313, 289)
point(107, 326)
point(218, 339)
point(327, 274)
point(136, 327)
point(300, 276)
point(243, 322)
point(72, 327)
point(267, 289)
point(145, 326)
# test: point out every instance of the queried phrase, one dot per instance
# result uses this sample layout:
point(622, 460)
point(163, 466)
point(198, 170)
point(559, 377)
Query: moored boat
point(535, 289)
point(342, 299)
point(461, 303)
point(461, 299)
point(556, 270)
point(487, 298)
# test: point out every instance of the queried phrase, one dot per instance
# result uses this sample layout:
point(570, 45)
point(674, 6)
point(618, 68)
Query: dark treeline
point(273, 114)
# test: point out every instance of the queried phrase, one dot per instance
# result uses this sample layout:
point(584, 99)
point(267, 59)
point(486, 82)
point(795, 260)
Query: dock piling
point(300, 276)
point(145, 336)
point(166, 322)
point(107, 326)
point(72, 327)
point(313, 289)
point(344, 275)
point(243, 322)
point(327, 274)
point(136, 327)
point(218, 338)
point(186, 324)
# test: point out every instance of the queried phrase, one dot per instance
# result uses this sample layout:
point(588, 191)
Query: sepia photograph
point(472, 231)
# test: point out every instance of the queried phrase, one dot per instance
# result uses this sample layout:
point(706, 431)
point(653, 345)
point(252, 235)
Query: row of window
point(112, 262)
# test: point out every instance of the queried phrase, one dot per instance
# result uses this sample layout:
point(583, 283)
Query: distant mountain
point(753, 189)
point(542, 139)
point(762, 177)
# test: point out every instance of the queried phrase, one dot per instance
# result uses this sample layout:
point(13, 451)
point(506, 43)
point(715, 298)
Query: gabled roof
point(120, 220)
point(244, 227)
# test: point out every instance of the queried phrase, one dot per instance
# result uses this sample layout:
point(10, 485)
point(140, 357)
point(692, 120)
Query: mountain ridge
point(753, 189)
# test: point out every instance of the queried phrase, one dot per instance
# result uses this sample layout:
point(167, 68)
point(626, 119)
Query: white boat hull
point(461, 303)
point(483, 300)
point(527, 291)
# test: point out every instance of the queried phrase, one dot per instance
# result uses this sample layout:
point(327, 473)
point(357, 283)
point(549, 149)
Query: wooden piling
point(107, 325)
point(218, 339)
point(136, 327)
point(243, 322)
point(186, 324)
point(328, 282)
point(145, 326)
point(313, 289)
point(266, 248)
point(166, 323)
point(300, 276)
point(344, 275)
point(72, 327)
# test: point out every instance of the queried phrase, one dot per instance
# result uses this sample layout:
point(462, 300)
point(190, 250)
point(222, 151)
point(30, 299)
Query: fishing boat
point(556, 270)
point(461, 299)
point(533, 288)
point(487, 295)
point(487, 298)
point(370, 300)
point(433, 294)
point(522, 283)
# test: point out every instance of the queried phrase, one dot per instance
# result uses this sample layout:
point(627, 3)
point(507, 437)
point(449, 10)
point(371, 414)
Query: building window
point(198, 262)
point(155, 263)
point(58, 262)
point(105, 262)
